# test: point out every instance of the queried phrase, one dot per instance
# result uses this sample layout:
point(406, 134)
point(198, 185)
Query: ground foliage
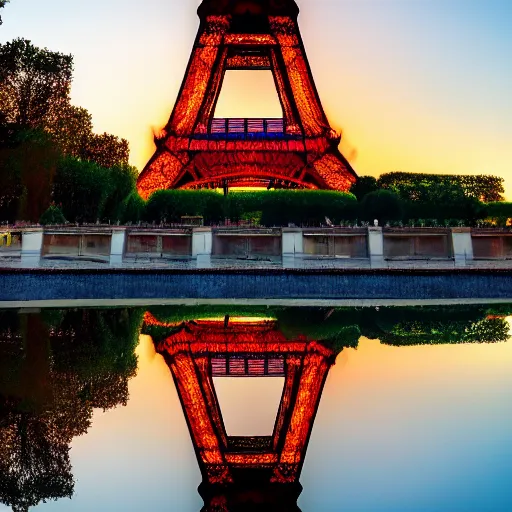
point(270, 208)
point(313, 208)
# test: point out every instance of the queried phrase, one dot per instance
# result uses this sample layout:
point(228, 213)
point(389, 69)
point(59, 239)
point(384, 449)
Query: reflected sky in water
point(411, 428)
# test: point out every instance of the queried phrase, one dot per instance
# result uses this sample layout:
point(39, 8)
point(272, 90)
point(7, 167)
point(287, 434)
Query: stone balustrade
point(377, 245)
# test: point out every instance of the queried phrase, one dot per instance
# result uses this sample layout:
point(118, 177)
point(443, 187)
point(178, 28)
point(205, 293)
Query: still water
point(390, 409)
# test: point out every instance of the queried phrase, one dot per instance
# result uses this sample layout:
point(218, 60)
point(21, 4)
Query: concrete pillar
point(292, 245)
point(31, 247)
point(202, 245)
point(117, 246)
point(376, 247)
point(293, 241)
point(462, 245)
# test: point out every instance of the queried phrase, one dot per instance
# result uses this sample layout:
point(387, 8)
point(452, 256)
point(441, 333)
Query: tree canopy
point(35, 85)
point(427, 187)
point(364, 185)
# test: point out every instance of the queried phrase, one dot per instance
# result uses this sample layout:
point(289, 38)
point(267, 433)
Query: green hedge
point(301, 207)
point(499, 213)
point(308, 208)
point(271, 208)
point(466, 209)
point(171, 205)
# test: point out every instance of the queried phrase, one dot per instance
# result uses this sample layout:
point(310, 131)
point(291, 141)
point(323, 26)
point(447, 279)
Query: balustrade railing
point(238, 127)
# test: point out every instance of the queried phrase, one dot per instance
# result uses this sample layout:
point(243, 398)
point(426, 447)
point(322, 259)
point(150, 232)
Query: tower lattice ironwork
point(196, 150)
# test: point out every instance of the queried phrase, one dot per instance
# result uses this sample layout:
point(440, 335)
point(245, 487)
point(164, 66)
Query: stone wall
point(49, 284)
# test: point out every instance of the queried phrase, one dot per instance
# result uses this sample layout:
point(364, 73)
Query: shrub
point(498, 212)
point(302, 207)
point(171, 205)
point(133, 209)
point(52, 216)
point(81, 188)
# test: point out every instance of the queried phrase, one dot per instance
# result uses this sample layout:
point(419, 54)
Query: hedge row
point(303, 208)
point(113, 198)
point(269, 208)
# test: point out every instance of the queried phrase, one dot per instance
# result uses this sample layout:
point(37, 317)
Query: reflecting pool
point(248, 408)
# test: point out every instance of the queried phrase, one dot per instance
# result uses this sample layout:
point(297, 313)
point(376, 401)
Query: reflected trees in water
point(55, 368)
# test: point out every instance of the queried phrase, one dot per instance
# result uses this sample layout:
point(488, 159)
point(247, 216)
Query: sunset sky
point(415, 85)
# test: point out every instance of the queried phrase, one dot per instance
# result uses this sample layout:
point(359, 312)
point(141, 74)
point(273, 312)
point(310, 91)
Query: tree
point(485, 188)
point(106, 150)
point(80, 189)
point(85, 191)
point(34, 83)
point(426, 187)
point(10, 183)
point(72, 130)
point(2, 4)
point(37, 163)
point(382, 205)
point(121, 183)
point(34, 93)
point(28, 163)
point(364, 185)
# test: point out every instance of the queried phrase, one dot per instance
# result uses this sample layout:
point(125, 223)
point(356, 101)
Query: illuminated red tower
point(246, 473)
point(195, 150)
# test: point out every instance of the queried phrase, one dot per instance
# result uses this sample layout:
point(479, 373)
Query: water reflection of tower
point(247, 473)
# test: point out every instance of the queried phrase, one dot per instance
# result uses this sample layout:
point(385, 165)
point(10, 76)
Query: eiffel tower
point(246, 473)
point(197, 150)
